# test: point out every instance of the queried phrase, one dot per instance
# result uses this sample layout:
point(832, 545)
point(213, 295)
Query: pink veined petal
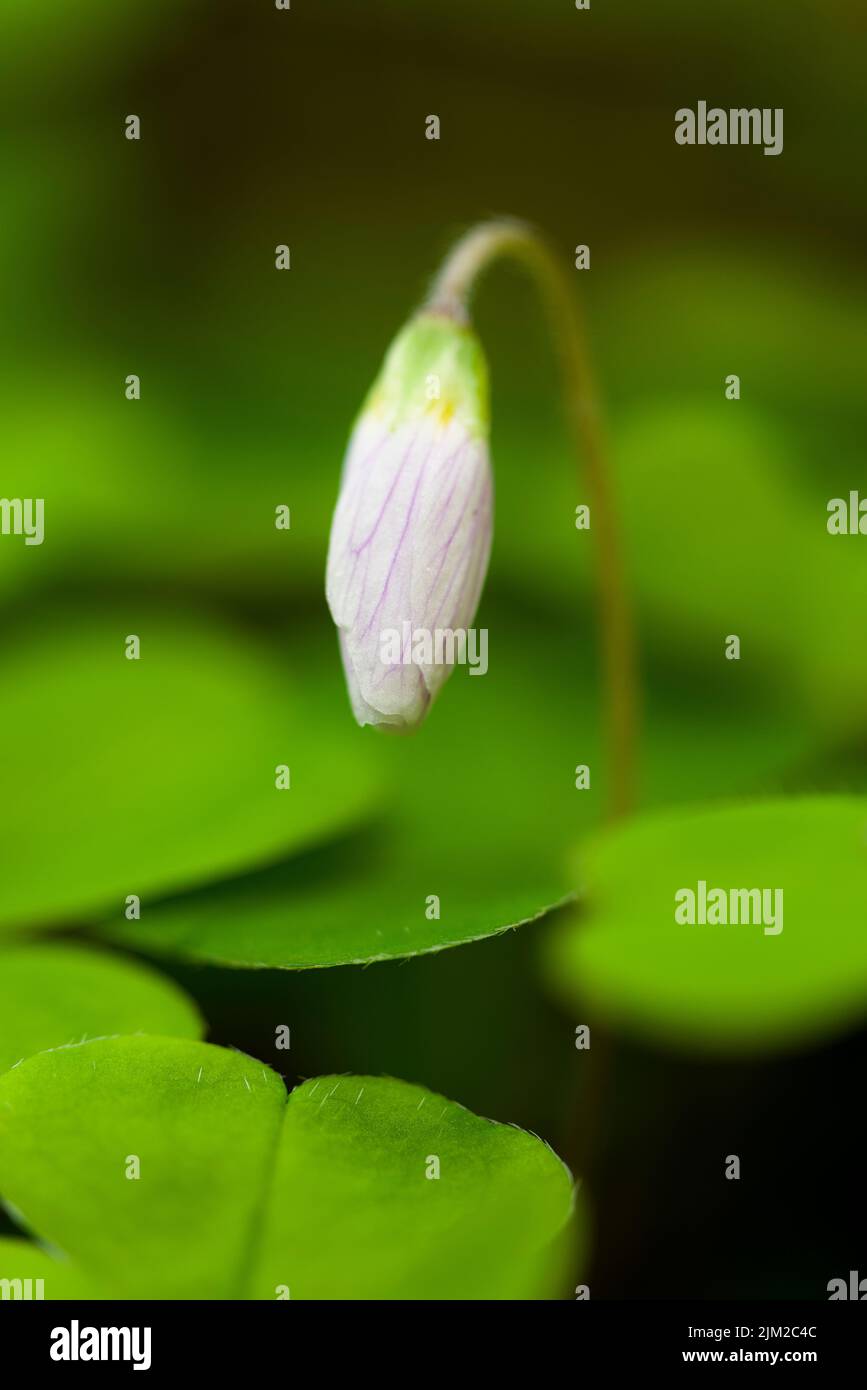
point(409, 545)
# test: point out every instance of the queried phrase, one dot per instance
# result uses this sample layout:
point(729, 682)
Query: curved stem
point(450, 295)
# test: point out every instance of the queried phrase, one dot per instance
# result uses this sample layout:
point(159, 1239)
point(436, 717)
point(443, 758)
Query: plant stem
point(450, 295)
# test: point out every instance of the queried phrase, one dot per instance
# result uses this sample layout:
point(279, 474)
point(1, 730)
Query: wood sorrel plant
point(412, 529)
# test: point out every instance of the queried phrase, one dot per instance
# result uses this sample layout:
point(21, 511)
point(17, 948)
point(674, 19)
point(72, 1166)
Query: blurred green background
point(157, 258)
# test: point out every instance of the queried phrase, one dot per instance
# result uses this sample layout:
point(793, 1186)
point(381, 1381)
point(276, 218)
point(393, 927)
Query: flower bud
point(412, 530)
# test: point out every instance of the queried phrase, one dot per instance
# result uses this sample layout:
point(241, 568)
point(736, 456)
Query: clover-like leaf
point(751, 972)
point(58, 993)
point(187, 1172)
point(483, 811)
point(157, 773)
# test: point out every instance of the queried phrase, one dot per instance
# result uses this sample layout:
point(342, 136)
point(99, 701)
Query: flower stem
point(450, 295)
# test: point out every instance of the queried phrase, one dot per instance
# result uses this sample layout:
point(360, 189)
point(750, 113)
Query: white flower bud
point(412, 530)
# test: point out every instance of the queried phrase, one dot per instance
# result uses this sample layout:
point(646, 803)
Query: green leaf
point(56, 994)
point(724, 988)
point(243, 1190)
point(202, 1121)
point(484, 809)
point(137, 777)
point(352, 903)
point(25, 1260)
point(354, 1214)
